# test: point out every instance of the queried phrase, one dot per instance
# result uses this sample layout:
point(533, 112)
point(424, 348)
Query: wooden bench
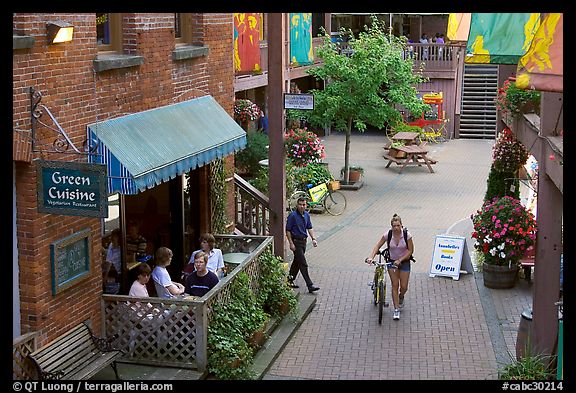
point(75, 355)
point(415, 155)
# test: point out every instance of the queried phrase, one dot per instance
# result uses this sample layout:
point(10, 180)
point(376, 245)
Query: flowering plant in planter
point(512, 100)
point(508, 153)
point(503, 230)
point(245, 110)
point(303, 147)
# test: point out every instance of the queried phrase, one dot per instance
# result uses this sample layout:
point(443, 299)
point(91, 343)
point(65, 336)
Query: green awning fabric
point(147, 148)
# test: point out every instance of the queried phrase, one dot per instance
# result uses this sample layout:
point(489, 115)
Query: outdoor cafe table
point(409, 138)
point(235, 258)
point(415, 155)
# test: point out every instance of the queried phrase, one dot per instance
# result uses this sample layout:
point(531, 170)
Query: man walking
point(298, 226)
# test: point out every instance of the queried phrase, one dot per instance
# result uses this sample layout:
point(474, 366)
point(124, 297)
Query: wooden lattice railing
point(174, 332)
point(21, 347)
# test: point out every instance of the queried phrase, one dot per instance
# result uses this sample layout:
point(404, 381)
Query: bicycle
point(331, 200)
point(379, 283)
point(435, 133)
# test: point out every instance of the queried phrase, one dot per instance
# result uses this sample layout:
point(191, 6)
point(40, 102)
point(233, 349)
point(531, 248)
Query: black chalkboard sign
point(70, 260)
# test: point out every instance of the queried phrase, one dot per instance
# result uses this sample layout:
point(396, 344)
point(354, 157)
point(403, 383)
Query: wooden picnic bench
point(75, 355)
point(415, 155)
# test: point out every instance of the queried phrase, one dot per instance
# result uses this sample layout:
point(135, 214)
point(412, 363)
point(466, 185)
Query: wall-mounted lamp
point(59, 31)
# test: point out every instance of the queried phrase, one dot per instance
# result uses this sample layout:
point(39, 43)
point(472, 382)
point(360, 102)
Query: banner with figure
point(247, 35)
point(500, 38)
point(542, 68)
point(301, 39)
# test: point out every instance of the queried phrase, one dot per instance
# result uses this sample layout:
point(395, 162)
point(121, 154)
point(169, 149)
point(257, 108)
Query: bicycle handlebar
point(389, 265)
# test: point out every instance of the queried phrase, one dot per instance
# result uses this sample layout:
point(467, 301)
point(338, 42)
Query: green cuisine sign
point(72, 188)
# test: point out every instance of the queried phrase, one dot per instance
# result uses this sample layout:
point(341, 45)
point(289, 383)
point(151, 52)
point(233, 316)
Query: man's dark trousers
point(299, 263)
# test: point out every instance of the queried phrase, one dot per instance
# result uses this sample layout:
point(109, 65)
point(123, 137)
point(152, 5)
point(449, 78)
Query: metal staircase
point(478, 114)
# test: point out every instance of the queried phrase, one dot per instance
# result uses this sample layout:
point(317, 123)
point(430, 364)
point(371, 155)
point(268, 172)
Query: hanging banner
point(72, 188)
point(301, 39)
point(247, 33)
point(542, 67)
point(500, 38)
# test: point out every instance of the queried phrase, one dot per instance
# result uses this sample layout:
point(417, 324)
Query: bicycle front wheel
point(293, 201)
point(335, 203)
point(381, 301)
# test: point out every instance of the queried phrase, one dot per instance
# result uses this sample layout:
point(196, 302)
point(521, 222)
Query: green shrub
point(232, 323)
point(315, 174)
point(255, 151)
point(500, 184)
point(274, 291)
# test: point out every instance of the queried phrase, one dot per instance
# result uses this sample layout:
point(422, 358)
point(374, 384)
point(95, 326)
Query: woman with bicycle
point(401, 248)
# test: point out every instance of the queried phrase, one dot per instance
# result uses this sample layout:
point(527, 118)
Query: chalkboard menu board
point(70, 260)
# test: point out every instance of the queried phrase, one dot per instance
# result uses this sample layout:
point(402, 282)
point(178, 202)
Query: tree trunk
point(347, 152)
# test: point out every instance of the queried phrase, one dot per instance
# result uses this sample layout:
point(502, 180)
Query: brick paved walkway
point(448, 329)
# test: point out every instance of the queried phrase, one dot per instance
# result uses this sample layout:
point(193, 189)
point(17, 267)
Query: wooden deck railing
point(252, 209)
point(174, 332)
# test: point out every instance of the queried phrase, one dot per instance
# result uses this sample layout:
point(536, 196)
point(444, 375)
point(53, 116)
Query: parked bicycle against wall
point(325, 195)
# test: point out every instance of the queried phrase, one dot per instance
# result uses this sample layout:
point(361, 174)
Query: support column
point(549, 240)
point(276, 122)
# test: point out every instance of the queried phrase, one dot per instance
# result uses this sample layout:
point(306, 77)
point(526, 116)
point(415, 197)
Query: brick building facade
point(81, 85)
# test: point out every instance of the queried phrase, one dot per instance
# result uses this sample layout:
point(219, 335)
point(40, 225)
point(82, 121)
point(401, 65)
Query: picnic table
point(409, 138)
point(415, 155)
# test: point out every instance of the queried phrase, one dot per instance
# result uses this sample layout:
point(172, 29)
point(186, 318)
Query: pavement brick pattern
point(448, 329)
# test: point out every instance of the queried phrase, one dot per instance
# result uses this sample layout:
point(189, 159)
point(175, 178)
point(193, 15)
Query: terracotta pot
point(354, 176)
point(499, 277)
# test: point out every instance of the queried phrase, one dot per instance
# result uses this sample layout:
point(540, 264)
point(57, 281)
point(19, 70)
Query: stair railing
point(252, 209)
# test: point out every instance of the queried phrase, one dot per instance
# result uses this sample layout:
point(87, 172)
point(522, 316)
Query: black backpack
point(386, 251)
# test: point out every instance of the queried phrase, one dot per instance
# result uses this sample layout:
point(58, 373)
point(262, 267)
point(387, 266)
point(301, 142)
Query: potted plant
point(508, 155)
point(301, 176)
point(356, 172)
point(274, 294)
point(515, 101)
point(246, 113)
point(303, 147)
point(503, 229)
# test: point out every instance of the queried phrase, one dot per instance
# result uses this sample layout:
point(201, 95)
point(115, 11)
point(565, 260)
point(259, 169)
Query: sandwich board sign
point(447, 256)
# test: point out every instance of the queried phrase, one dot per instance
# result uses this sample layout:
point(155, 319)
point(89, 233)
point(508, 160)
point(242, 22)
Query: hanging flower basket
point(245, 111)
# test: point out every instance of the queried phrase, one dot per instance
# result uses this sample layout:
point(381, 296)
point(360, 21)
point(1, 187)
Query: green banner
point(501, 38)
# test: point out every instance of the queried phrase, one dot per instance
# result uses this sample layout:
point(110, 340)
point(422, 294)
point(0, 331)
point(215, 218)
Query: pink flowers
point(303, 147)
point(245, 110)
point(503, 246)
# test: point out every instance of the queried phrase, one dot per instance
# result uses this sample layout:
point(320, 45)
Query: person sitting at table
point(112, 267)
point(215, 259)
point(165, 287)
point(135, 243)
point(201, 280)
point(138, 287)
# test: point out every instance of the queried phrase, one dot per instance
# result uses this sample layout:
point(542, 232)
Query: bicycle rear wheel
point(382, 297)
point(335, 203)
point(293, 201)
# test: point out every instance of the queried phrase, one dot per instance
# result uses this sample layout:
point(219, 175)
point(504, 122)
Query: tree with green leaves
point(366, 86)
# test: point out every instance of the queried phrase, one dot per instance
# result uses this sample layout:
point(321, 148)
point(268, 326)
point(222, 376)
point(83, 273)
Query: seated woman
point(200, 280)
point(165, 287)
point(215, 258)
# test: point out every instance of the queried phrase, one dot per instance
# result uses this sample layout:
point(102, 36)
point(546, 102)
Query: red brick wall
point(77, 96)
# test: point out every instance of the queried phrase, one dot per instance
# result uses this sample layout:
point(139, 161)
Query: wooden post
point(549, 237)
point(276, 123)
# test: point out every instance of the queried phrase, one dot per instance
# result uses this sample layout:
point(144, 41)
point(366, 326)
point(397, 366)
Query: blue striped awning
point(144, 149)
